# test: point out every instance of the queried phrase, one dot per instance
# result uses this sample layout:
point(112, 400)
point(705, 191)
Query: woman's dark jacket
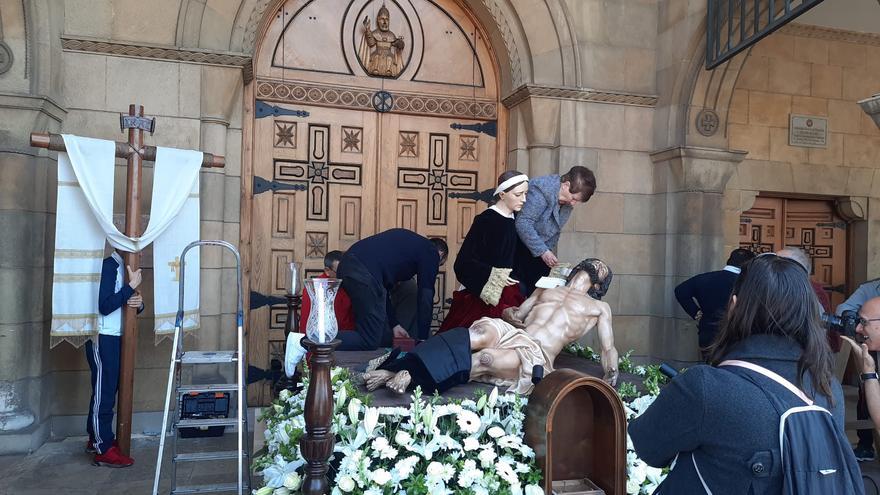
point(724, 421)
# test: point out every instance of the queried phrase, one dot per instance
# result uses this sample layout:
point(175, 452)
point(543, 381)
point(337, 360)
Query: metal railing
point(734, 25)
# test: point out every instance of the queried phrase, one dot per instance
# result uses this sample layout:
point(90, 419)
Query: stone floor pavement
point(64, 468)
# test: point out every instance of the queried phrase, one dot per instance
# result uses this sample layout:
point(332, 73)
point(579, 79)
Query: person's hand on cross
point(135, 301)
point(134, 277)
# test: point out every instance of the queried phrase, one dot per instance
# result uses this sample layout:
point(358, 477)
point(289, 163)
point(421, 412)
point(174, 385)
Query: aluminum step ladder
point(181, 358)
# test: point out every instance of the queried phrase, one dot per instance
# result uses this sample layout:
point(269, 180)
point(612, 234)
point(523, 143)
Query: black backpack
point(815, 454)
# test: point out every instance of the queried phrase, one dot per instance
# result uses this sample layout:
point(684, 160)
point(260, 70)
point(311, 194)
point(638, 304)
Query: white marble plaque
point(808, 131)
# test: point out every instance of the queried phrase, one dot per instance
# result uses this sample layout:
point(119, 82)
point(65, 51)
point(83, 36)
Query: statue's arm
point(368, 33)
point(608, 352)
point(526, 307)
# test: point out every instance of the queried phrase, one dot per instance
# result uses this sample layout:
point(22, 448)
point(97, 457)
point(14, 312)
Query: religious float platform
point(571, 429)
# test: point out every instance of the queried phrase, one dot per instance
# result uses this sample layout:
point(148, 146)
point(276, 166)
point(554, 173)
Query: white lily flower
point(493, 398)
point(340, 398)
point(371, 419)
point(354, 409)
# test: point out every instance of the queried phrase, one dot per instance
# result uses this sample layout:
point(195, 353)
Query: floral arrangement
point(466, 447)
point(472, 446)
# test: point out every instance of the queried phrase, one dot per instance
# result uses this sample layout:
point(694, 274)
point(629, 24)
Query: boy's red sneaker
point(113, 458)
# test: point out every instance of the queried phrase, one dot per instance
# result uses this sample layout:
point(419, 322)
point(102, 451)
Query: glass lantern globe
point(321, 326)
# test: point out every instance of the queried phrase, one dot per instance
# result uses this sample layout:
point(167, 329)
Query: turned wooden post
point(318, 441)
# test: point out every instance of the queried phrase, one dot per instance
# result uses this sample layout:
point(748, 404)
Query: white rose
point(292, 481)
point(633, 487)
point(284, 394)
point(471, 443)
point(486, 457)
point(380, 476)
point(345, 483)
point(534, 490)
point(496, 432)
point(402, 438)
point(380, 443)
point(435, 469)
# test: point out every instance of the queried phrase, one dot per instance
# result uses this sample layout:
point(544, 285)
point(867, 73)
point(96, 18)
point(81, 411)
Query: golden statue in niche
point(381, 51)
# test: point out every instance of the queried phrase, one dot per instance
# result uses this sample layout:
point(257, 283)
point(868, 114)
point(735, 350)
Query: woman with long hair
point(484, 263)
point(720, 422)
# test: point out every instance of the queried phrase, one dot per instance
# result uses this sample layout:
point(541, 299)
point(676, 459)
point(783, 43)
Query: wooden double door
point(337, 176)
point(812, 225)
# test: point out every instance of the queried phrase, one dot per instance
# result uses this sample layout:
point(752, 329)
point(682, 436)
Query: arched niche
point(577, 426)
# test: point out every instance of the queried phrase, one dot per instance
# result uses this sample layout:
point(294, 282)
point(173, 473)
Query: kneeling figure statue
point(505, 351)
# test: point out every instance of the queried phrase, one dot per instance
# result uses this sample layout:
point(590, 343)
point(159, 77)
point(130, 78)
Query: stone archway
point(340, 144)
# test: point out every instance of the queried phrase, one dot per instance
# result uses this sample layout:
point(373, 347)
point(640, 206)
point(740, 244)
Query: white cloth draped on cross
point(84, 220)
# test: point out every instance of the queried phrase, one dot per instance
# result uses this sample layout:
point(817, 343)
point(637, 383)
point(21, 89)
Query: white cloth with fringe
point(84, 220)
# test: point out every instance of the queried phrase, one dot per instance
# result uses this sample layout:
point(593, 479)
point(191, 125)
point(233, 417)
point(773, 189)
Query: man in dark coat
point(369, 271)
point(704, 297)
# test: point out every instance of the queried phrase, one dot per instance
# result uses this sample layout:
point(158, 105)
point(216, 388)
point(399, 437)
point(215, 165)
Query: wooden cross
point(175, 266)
point(318, 172)
point(438, 180)
point(135, 152)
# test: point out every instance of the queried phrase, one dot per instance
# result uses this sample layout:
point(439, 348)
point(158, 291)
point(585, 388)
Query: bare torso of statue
point(506, 352)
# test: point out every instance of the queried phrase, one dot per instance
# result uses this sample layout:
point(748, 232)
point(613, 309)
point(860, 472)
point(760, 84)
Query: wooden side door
point(760, 228)
point(331, 155)
point(815, 227)
point(812, 225)
point(424, 165)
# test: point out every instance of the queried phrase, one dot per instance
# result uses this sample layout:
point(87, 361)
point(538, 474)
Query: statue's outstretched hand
point(509, 315)
point(366, 23)
point(611, 377)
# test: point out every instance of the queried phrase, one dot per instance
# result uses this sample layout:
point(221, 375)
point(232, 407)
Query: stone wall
point(808, 70)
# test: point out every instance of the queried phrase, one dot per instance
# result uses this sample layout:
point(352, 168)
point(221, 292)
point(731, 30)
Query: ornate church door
point(814, 226)
point(364, 119)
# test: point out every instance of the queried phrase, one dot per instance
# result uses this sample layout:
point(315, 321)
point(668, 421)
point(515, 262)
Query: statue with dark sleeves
point(506, 351)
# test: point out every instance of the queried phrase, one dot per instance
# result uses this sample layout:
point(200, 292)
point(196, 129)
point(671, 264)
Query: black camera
point(845, 324)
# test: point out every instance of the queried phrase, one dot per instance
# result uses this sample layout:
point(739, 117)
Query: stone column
point(220, 197)
point(27, 204)
point(694, 180)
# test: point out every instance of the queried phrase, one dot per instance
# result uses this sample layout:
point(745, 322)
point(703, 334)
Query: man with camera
point(868, 333)
point(863, 301)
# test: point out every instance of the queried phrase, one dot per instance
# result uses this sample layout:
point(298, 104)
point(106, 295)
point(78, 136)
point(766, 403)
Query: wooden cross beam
point(135, 152)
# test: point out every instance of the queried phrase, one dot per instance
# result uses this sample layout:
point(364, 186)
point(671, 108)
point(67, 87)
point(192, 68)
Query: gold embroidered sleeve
point(491, 292)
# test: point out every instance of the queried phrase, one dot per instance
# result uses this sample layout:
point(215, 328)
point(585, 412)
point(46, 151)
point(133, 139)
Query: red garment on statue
point(467, 308)
point(341, 306)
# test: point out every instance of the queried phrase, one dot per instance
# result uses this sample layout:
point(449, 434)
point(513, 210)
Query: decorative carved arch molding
point(500, 19)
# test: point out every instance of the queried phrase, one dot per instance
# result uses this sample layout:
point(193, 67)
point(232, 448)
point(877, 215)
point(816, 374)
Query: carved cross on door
point(438, 179)
point(318, 172)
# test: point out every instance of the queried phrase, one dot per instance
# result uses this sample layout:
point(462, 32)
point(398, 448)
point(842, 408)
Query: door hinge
point(489, 128)
point(833, 225)
point(840, 289)
point(487, 196)
point(259, 300)
point(262, 185)
point(264, 109)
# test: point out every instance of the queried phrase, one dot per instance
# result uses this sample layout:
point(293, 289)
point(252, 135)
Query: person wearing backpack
point(719, 425)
